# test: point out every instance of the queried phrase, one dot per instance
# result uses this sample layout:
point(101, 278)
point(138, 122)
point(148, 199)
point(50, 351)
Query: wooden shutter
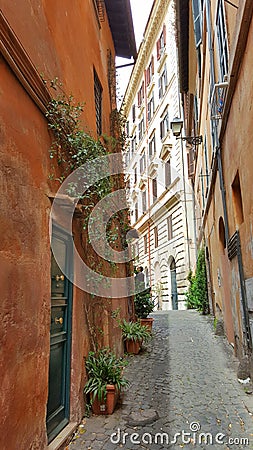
point(139, 98)
point(190, 160)
point(164, 34)
point(147, 76)
point(158, 48)
point(167, 173)
point(154, 186)
point(152, 65)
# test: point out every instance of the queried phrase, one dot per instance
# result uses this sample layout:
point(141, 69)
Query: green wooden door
point(60, 334)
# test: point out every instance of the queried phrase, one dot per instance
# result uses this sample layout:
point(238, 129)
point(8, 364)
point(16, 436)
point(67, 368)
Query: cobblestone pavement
point(185, 380)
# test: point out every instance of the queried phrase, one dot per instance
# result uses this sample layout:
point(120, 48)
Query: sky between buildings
point(140, 12)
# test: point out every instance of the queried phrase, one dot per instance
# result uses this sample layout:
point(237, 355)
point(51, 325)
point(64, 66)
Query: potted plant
point(134, 335)
point(105, 380)
point(144, 305)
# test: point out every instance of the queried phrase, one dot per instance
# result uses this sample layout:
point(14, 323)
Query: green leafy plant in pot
point(134, 335)
point(144, 305)
point(105, 380)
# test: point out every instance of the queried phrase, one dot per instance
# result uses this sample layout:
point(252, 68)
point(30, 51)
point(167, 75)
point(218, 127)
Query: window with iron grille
point(222, 40)
point(98, 102)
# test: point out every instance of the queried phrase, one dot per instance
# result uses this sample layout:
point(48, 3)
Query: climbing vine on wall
point(72, 147)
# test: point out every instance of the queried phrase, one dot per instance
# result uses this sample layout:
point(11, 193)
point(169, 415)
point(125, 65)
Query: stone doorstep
point(61, 438)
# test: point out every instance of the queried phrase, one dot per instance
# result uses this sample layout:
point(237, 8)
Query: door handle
point(58, 320)
point(59, 277)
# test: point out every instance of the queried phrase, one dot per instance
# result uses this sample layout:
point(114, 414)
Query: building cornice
point(22, 66)
point(169, 198)
point(142, 224)
point(155, 21)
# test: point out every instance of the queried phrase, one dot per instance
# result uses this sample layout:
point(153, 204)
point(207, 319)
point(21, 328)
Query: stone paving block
point(186, 376)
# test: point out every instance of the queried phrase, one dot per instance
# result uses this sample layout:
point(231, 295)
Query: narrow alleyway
point(184, 383)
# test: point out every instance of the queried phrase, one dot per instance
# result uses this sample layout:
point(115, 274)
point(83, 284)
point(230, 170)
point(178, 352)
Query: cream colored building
point(160, 196)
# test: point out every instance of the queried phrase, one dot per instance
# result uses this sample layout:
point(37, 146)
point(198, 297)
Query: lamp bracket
point(194, 140)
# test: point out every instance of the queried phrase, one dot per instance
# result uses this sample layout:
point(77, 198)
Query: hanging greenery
point(73, 147)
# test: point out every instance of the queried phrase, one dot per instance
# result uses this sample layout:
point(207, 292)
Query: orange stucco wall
point(63, 41)
point(25, 267)
point(236, 151)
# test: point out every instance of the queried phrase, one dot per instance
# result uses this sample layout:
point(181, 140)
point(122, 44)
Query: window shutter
point(167, 173)
point(158, 48)
point(161, 129)
point(152, 65)
point(133, 113)
point(147, 72)
point(154, 186)
point(160, 87)
point(149, 111)
point(197, 21)
point(165, 77)
point(190, 160)
point(139, 98)
point(164, 34)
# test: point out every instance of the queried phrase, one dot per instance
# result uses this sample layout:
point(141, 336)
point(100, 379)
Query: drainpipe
point(194, 220)
point(185, 208)
point(223, 190)
point(148, 180)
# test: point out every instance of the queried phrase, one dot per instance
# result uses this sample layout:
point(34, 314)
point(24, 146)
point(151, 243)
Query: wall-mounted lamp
point(176, 126)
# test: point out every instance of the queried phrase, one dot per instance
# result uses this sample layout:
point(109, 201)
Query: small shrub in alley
point(197, 296)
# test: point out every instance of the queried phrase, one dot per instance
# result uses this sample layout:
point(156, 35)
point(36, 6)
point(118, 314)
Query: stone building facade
point(159, 194)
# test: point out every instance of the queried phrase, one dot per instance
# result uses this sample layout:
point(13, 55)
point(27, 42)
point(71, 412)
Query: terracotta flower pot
point(148, 322)
point(133, 346)
point(107, 407)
